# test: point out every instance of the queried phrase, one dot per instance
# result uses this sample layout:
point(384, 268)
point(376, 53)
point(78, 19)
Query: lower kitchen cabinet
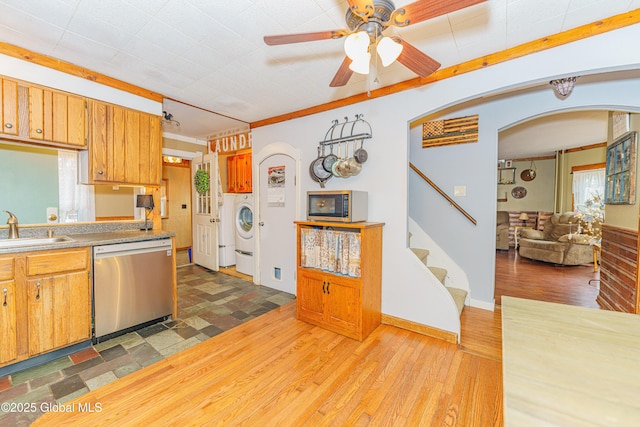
point(330, 300)
point(8, 321)
point(346, 304)
point(48, 302)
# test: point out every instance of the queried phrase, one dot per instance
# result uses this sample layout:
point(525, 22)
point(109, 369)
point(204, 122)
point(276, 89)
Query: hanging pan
point(317, 172)
point(360, 154)
point(329, 160)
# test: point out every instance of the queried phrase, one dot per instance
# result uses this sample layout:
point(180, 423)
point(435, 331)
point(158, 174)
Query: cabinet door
point(101, 144)
point(58, 311)
point(9, 106)
point(133, 159)
point(310, 295)
point(57, 117)
point(8, 322)
point(232, 174)
point(343, 303)
point(244, 173)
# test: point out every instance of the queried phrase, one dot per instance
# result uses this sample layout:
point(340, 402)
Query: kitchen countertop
point(566, 365)
point(93, 239)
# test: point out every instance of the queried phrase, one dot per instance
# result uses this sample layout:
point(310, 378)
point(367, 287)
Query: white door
point(205, 213)
point(276, 227)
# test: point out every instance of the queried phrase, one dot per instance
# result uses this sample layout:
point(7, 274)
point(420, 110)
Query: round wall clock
point(518, 192)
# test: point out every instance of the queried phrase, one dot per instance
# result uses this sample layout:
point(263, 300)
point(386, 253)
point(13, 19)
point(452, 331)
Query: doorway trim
point(269, 151)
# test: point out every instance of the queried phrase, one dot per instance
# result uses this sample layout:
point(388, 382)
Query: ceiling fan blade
point(362, 8)
point(416, 60)
point(343, 75)
point(303, 37)
point(422, 10)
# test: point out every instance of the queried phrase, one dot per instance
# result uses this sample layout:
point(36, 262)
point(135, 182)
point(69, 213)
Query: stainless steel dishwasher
point(132, 286)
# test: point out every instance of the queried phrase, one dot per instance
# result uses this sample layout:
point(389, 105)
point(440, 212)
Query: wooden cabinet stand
point(347, 305)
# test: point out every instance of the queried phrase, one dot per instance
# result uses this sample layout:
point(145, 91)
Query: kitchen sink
point(12, 243)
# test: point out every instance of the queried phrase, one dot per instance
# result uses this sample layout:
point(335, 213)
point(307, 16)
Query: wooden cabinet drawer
point(57, 261)
point(6, 268)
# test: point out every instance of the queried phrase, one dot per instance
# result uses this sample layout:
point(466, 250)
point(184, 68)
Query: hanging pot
point(361, 154)
point(329, 160)
point(354, 166)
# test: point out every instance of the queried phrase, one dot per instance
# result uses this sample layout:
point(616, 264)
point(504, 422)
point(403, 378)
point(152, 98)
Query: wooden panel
point(344, 304)
point(36, 113)
point(49, 262)
point(310, 301)
point(9, 109)
point(76, 121)
point(60, 121)
point(144, 146)
point(618, 270)
point(155, 149)
point(117, 149)
point(8, 322)
point(79, 309)
point(132, 147)
point(7, 268)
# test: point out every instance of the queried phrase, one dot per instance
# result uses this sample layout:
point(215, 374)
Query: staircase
point(459, 295)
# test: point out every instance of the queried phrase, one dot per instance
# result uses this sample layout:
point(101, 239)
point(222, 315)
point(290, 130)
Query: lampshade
point(356, 45)
point(388, 50)
point(523, 216)
point(563, 87)
point(145, 201)
point(361, 64)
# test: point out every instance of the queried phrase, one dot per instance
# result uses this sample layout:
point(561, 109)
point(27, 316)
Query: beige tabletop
point(569, 366)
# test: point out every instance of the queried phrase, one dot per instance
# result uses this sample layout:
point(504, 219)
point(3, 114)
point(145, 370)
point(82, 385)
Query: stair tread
point(440, 273)
point(422, 254)
point(459, 296)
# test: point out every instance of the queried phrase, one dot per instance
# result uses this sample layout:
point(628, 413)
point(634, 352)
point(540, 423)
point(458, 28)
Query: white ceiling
point(210, 54)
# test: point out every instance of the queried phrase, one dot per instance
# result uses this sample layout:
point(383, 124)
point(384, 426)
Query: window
point(588, 185)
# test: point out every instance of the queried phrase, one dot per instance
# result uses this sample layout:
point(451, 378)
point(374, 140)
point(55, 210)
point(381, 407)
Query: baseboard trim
point(419, 328)
point(491, 306)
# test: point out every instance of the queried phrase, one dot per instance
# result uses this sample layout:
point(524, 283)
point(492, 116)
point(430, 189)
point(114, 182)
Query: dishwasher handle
point(133, 248)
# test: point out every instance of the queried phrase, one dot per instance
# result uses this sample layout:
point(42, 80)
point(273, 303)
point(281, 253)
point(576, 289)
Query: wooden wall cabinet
point(125, 146)
point(8, 106)
point(239, 173)
point(48, 302)
point(350, 306)
point(57, 117)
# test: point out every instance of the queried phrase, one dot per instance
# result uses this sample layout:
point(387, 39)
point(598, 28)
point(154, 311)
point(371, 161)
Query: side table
point(515, 233)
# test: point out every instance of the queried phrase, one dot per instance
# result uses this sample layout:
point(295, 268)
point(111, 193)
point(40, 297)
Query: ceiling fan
point(367, 20)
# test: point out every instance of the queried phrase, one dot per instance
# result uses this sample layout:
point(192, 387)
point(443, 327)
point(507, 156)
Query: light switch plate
point(460, 190)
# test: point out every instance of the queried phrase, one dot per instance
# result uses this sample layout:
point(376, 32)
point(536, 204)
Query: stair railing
point(443, 194)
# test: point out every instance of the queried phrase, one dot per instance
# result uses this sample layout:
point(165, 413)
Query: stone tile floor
point(208, 304)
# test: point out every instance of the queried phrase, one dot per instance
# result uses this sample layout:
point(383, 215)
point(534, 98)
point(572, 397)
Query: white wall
point(385, 175)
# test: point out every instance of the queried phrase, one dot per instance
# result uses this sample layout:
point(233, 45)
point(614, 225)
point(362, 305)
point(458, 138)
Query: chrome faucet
point(13, 225)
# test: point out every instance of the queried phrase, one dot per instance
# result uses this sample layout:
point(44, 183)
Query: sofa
point(559, 243)
point(502, 231)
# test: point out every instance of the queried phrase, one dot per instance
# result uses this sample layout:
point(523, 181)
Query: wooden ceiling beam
point(75, 70)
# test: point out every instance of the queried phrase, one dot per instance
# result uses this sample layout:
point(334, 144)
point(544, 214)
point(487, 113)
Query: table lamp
point(145, 201)
point(524, 217)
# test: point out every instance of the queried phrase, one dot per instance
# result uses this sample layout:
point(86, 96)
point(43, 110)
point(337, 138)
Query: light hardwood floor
point(275, 370)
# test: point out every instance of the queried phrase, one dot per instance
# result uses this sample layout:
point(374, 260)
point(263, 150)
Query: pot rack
point(347, 131)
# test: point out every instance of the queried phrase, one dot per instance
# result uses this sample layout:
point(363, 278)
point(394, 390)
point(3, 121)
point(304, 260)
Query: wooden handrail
point(443, 194)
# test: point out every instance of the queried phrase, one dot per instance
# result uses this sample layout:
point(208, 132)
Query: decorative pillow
point(560, 230)
point(575, 238)
point(529, 233)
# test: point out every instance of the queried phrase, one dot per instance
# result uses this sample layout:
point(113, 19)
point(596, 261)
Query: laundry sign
point(275, 186)
point(229, 143)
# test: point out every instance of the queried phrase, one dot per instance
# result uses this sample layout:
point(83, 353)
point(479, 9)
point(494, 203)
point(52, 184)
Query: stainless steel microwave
point(339, 206)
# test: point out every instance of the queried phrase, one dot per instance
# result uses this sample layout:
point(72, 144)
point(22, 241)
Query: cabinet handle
point(38, 130)
point(328, 284)
point(4, 290)
point(323, 289)
point(38, 285)
point(100, 173)
point(8, 125)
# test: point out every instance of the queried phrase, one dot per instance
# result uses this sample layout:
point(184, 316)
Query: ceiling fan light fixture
point(357, 45)
point(388, 50)
point(360, 64)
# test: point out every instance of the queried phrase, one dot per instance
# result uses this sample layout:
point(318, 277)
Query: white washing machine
point(244, 233)
point(227, 230)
